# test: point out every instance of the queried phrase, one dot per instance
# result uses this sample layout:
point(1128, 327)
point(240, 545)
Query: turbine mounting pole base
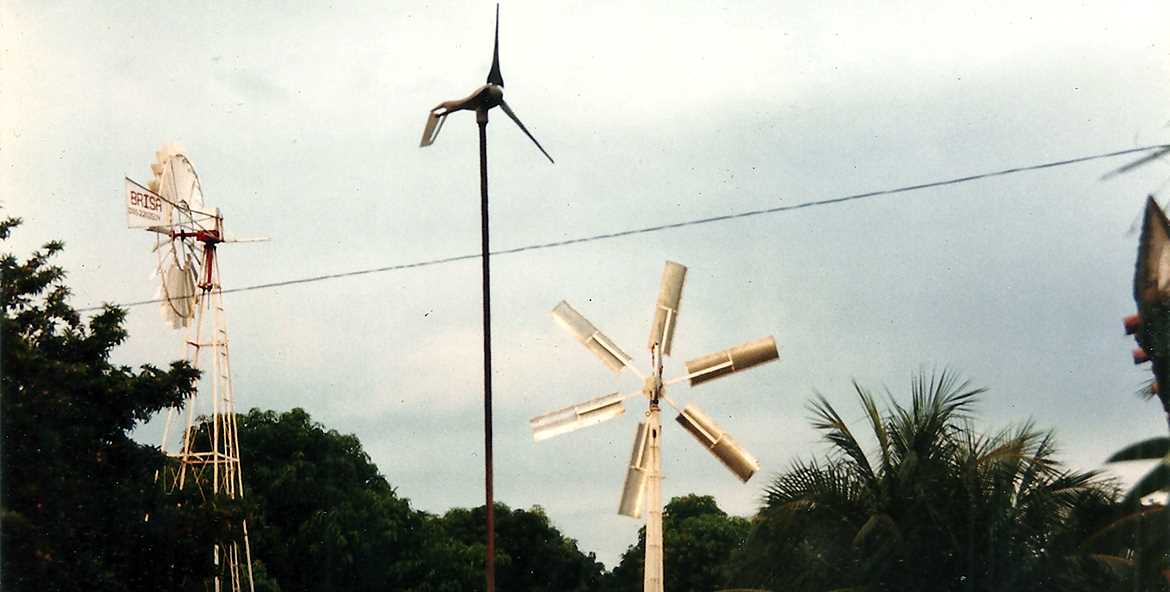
point(652, 576)
point(481, 117)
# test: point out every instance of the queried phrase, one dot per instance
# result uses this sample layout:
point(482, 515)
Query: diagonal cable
point(661, 227)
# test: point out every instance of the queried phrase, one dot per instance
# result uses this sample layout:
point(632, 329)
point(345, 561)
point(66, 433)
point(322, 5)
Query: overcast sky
point(303, 123)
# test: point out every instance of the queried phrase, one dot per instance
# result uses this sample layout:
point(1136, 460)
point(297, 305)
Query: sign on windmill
point(642, 491)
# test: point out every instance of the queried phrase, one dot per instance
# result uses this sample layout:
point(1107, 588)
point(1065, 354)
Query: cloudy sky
point(304, 121)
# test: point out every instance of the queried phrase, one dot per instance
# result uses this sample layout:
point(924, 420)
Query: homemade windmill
point(207, 453)
point(643, 486)
point(482, 100)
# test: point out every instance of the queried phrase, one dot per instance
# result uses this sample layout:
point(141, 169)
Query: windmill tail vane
point(641, 491)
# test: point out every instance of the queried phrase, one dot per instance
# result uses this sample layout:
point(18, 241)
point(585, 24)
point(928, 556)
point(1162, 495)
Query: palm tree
point(928, 504)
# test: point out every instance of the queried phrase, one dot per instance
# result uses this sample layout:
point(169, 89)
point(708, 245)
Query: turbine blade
point(713, 438)
point(431, 131)
point(634, 489)
point(666, 310)
point(711, 366)
point(494, 76)
point(1137, 163)
point(508, 110)
point(575, 417)
point(588, 335)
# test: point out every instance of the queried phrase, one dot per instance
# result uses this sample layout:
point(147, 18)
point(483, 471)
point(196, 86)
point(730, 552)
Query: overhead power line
point(661, 227)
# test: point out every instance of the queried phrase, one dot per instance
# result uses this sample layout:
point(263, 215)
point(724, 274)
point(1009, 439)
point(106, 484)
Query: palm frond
point(836, 431)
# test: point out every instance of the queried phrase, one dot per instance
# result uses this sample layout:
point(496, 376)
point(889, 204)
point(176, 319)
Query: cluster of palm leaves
point(926, 502)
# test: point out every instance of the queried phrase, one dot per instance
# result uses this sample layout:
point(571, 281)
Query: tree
point(531, 554)
point(76, 488)
point(324, 518)
point(935, 506)
point(698, 539)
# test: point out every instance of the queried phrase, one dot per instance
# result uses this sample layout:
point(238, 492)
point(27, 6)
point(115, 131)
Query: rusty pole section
point(481, 117)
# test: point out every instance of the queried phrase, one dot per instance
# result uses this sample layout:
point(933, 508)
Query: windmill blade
point(508, 110)
point(712, 366)
point(711, 436)
point(634, 489)
point(431, 131)
point(588, 335)
point(178, 295)
point(1137, 163)
point(494, 76)
point(666, 309)
point(575, 417)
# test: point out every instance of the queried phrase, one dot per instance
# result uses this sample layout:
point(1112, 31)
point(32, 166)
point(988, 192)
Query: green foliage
point(76, 487)
point(531, 554)
point(323, 517)
point(698, 538)
point(935, 506)
point(1136, 542)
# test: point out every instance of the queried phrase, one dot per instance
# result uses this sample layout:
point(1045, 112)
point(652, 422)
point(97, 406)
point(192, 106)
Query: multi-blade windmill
point(206, 455)
point(482, 100)
point(643, 486)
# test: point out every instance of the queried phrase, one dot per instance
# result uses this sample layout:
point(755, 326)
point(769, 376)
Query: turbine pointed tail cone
point(712, 366)
point(637, 474)
point(494, 76)
point(666, 309)
point(714, 439)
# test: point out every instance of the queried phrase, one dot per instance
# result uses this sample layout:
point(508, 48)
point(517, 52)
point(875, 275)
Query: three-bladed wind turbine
point(643, 486)
point(482, 100)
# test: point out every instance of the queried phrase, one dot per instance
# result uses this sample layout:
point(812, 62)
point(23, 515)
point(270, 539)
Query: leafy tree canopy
point(76, 487)
point(698, 538)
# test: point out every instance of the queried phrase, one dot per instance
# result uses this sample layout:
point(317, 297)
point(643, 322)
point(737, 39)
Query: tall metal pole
point(652, 576)
point(481, 117)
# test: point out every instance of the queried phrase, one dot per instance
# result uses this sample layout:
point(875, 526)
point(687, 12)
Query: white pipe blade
point(588, 335)
point(713, 438)
point(575, 417)
point(634, 489)
point(741, 357)
point(666, 309)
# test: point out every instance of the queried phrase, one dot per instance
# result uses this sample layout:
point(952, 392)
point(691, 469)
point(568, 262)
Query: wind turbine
point(482, 100)
point(643, 485)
